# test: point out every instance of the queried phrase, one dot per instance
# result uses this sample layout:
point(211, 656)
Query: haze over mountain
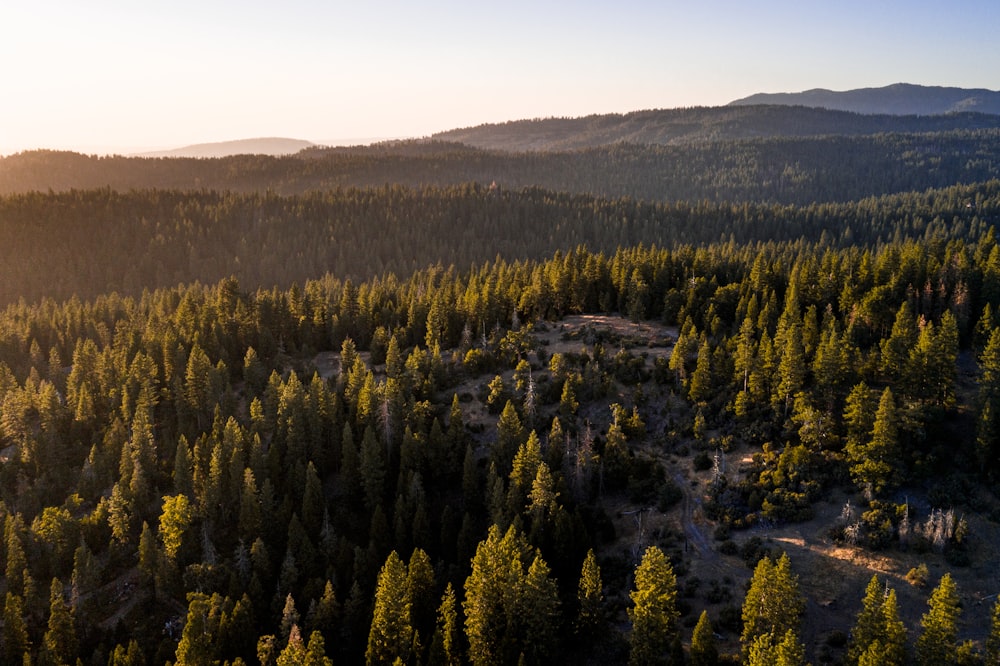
point(259, 146)
point(896, 99)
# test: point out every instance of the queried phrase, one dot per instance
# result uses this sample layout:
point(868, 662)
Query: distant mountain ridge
point(697, 125)
point(899, 99)
point(274, 146)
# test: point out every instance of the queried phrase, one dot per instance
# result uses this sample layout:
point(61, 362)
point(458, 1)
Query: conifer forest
point(735, 400)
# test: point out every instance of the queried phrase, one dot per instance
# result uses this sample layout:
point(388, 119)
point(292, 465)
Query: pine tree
point(420, 591)
point(896, 348)
point(568, 404)
point(508, 603)
point(764, 651)
point(654, 609)
point(326, 617)
point(988, 400)
point(538, 608)
point(876, 464)
point(870, 623)
point(542, 500)
point(175, 519)
point(312, 501)
point(198, 645)
point(700, 386)
point(372, 467)
point(704, 651)
point(590, 597)
point(893, 642)
point(773, 603)
point(14, 633)
point(289, 617)
point(59, 643)
point(16, 569)
point(859, 418)
point(294, 652)
point(992, 655)
point(316, 651)
point(445, 649)
point(510, 435)
point(391, 634)
point(148, 555)
point(127, 656)
point(792, 366)
point(937, 644)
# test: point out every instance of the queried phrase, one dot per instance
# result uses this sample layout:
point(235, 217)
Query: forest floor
point(832, 576)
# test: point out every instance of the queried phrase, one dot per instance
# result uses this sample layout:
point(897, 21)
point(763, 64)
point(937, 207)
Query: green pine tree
point(704, 651)
point(14, 633)
point(654, 609)
point(937, 644)
point(773, 604)
point(391, 634)
point(870, 623)
point(590, 597)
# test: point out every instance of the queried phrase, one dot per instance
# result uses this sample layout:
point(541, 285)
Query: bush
point(730, 620)
point(702, 462)
point(753, 550)
point(670, 495)
point(718, 593)
point(690, 589)
point(918, 575)
point(956, 556)
point(729, 548)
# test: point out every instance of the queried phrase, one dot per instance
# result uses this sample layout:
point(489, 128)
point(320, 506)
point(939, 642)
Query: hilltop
point(261, 146)
point(897, 99)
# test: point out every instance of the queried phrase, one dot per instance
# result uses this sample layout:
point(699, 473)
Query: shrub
point(918, 575)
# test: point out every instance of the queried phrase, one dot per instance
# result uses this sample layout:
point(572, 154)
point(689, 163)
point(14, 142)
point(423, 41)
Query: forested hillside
point(420, 403)
point(86, 243)
point(774, 170)
point(776, 119)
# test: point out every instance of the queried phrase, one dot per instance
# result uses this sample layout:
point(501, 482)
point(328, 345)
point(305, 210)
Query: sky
point(113, 76)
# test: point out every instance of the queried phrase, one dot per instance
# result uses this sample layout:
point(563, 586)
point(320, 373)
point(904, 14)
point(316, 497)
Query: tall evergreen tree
point(937, 644)
point(869, 625)
point(876, 464)
point(590, 598)
point(499, 593)
point(14, 633)
point(992, 647)
point(391, 634)
point(988, 402)
point(773, 603)
point(654, 609)
point(704, 651)
point(59, 644)
point(445, 648)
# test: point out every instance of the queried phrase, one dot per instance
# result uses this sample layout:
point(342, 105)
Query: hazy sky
point(110, 75)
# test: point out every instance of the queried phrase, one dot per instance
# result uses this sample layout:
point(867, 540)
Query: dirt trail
point(693, 533)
